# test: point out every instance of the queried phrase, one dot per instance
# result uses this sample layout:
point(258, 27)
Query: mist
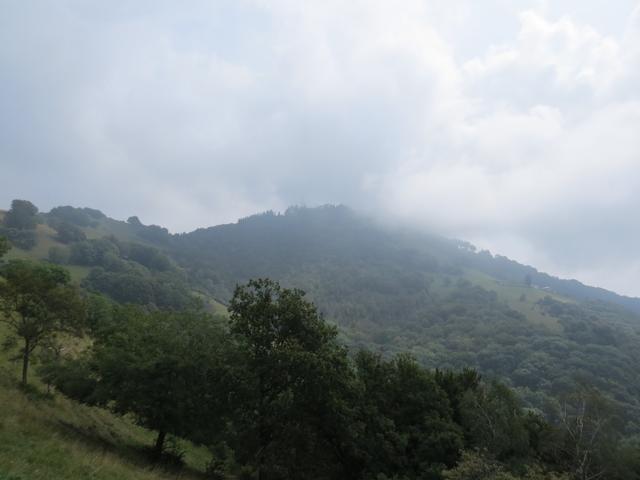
point(514, 127)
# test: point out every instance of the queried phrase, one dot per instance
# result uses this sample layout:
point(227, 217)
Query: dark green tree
point(38, 302)
point(163, 368)
point(409, 430)
point(68, 233)
point(21, 216)
point(493, 419)
point(287, 415)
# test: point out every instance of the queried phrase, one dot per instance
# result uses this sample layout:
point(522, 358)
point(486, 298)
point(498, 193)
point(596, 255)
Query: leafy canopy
point(38, 302)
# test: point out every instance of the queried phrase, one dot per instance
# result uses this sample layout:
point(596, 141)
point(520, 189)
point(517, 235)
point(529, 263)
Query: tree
point(409, 431)
point(162, 368)
point(68, 233)
point(135, 221)
point(291, 378)
point(494, 420)
point(21, 216)
point(38, 302)
point(589, 438)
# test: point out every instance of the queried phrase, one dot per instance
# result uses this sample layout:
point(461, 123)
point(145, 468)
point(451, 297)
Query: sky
point(511, 124)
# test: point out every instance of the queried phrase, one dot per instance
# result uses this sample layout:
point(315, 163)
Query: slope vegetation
point(388, 290)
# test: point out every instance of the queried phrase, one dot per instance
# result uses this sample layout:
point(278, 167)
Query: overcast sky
point(512, 124)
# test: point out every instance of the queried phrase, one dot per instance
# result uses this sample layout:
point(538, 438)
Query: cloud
point(512, 128)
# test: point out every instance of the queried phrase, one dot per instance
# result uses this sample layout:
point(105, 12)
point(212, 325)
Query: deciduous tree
point(38, 302)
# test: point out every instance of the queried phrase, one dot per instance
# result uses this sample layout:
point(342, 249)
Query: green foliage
point(21, 216)
point(402, 291)
point(278, 397)
point(291, 374)
point(81, 217)
point(476, 466)
point(163, 368)
point(131, 273)
point(132, 286)
point(408, 430)
point(325, 415)
point(24, 239)
point(45, 437)
point(150, 257)
point(68, 232)
point(37, 303)
point(96, 252)
point(494, 420)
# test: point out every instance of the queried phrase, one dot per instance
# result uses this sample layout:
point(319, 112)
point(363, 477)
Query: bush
point(24, 239)
point(68, 233)
point(82, 217)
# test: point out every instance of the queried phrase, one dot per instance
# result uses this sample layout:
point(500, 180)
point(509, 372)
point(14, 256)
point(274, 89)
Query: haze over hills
point(389, 290)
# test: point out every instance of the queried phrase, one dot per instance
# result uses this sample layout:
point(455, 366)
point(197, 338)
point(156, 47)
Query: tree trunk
point(159, 445)
point(25, 361)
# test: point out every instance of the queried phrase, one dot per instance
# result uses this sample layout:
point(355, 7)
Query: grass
point(45, 239)
point(46, 437)
point(520, 298)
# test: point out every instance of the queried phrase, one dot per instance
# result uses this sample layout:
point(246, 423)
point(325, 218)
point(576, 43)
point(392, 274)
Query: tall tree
point(38, 302)
point(292, 376)
point(589, 439)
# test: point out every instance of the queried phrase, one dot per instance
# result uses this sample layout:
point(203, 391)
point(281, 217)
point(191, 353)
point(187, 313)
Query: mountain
point(390, 290)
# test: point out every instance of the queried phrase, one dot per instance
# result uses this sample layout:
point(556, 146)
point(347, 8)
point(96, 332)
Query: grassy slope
point(45, 238)
point(50, 437)
point(520, 298)
point(44, 437)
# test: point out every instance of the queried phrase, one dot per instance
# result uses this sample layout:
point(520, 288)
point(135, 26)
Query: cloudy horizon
point(513, 125)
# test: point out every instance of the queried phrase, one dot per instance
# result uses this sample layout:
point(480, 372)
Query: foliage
point(291, 375)
point(478, 466)
point(45, 438)
point(400, 291)
point(130, 272)
point(68, 232)
point(81, 217)
point(37, 303)
point(408, 431)
point(385, 414)
point(21, 216)
point(163, 368)
point(24, 239)
point(588, 438)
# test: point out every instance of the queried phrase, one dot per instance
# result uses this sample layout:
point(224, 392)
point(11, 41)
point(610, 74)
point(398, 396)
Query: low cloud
point(515, 129)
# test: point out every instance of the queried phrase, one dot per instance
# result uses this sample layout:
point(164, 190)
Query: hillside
point(47, 437)
point(388, 290)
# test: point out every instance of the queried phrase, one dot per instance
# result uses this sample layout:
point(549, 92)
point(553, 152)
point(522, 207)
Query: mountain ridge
point(388, 291)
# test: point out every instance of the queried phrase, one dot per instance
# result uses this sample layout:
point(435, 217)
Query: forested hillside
point(439, 299)
point(390, 292)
